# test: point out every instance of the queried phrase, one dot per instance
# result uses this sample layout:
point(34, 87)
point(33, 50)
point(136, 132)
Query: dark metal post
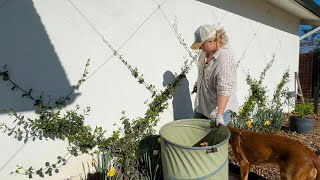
point(316, 98)
point(316, 86)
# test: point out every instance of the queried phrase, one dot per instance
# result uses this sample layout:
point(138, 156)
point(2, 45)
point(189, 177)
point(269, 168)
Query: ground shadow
point(181, 101)
point(255, 11)
point(234, 173)
point(30, 56)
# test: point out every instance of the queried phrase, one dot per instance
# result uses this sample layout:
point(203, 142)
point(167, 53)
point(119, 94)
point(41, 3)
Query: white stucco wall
point(46, 44)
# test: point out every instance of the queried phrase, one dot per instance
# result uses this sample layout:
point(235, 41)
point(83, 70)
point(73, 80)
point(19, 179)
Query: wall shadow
point(181, 100)
point(30, 56)
point(253, 10)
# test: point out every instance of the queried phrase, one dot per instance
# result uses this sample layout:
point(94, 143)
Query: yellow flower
point(111, 172)
point(249, 123)
point(267, 123)
point(240, 111)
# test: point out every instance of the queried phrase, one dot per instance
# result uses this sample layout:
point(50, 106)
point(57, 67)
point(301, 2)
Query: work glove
point(219, 119)
point(216, 120)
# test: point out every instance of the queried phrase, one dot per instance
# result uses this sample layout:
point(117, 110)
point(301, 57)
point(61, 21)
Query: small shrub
point(258, 113)
point(303, 110)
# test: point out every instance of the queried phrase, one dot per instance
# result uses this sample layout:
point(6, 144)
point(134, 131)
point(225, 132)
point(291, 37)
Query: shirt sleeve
point(226, 77)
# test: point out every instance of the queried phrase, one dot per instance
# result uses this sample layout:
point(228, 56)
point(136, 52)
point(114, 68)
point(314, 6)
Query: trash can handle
point(212, 150)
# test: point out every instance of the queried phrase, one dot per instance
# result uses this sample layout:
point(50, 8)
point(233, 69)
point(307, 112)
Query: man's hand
point(219, 119)
point(216, 120)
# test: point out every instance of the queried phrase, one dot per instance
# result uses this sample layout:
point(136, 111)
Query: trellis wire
point(115, 52)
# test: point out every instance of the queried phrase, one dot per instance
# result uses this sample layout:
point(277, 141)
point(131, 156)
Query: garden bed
point(270, 171)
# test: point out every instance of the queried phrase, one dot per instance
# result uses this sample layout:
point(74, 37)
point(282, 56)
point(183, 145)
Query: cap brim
point(196, 45)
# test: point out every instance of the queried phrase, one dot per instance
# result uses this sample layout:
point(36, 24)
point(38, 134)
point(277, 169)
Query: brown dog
point(296, 161)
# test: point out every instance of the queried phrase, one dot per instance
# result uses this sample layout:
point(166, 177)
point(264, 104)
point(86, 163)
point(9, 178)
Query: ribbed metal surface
point(183, 161)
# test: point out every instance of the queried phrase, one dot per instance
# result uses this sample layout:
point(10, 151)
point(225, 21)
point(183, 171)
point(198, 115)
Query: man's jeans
point(226, 116)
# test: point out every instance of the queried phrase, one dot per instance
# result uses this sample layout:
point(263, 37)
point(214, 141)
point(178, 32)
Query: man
point(217, 77)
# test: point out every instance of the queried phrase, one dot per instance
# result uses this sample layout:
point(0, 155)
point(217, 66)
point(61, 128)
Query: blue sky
point(307, 48)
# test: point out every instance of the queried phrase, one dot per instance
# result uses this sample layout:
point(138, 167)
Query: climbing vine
point(69, 125)
point(53, 123)
point(124, 142)
point(258, 113)
point(257, 93)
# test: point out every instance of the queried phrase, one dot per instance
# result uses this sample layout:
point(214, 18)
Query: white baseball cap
point(202, 34)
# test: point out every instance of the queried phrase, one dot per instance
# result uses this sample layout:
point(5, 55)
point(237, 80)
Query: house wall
point(46, 44)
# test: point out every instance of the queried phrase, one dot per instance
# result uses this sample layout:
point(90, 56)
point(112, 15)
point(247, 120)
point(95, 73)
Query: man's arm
point(222, 103)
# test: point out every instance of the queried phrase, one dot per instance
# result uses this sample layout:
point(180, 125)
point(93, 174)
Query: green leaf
point(19, 138)
point(5, 76)
point(38, 111)
point(41, 174)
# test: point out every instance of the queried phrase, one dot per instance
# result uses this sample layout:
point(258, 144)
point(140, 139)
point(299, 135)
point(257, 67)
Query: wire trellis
point(254, 37)
point(116, 50)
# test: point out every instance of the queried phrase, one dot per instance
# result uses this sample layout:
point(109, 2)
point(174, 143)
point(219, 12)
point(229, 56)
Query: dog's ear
point(233, 129)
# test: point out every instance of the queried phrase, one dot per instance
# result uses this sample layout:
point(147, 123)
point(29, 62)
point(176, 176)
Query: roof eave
point(307, 11)
point(310, 5)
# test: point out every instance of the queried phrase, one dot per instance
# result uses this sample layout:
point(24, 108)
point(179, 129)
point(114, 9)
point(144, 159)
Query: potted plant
point(302, 119)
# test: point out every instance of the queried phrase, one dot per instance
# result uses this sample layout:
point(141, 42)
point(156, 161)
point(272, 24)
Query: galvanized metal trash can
point(182, 155)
